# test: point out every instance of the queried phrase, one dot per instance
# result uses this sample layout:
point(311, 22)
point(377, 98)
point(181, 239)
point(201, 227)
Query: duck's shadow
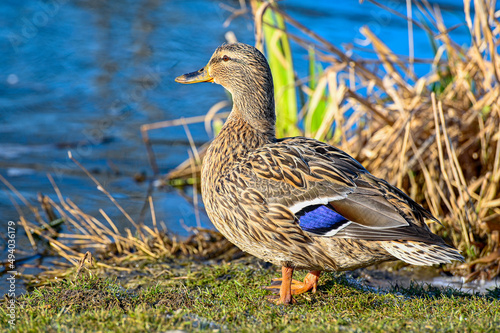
point(340, 283)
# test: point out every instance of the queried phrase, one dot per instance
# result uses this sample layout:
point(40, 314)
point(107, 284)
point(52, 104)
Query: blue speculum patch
point(320, 219)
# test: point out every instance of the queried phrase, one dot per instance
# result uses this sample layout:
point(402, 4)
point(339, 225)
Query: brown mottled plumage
point(258, 189)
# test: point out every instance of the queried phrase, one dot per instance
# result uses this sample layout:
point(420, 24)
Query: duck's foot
point(297, 287)
point(276, 285)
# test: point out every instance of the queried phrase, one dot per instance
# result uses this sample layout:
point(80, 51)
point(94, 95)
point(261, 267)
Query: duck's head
point(234, 66)
point(244, 72)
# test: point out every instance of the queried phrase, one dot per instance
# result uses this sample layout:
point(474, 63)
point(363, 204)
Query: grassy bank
point(227, 297)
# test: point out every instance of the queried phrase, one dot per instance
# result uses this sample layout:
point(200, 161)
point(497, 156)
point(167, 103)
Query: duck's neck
point(249, 126)
point(239, 135)
point(255, 106)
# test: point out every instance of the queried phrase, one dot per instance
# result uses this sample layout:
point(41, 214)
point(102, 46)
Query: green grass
point(228, 297)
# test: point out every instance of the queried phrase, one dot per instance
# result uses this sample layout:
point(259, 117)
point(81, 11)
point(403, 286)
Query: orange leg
point(286, 286)
point(289, 287)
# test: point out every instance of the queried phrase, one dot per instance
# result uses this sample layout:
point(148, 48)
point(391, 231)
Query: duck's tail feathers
point(420, 253)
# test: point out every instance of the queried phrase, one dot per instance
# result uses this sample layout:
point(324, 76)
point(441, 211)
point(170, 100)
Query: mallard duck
point(298, 202)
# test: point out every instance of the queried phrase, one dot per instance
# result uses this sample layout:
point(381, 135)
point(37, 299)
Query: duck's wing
point(333, 195)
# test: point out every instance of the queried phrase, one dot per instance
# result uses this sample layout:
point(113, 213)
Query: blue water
point(85, 75)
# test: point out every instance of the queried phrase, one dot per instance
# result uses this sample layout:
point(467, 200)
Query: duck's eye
point(226, 58)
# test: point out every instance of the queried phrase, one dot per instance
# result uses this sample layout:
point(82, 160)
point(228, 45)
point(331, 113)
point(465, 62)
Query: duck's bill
point(195, 77)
